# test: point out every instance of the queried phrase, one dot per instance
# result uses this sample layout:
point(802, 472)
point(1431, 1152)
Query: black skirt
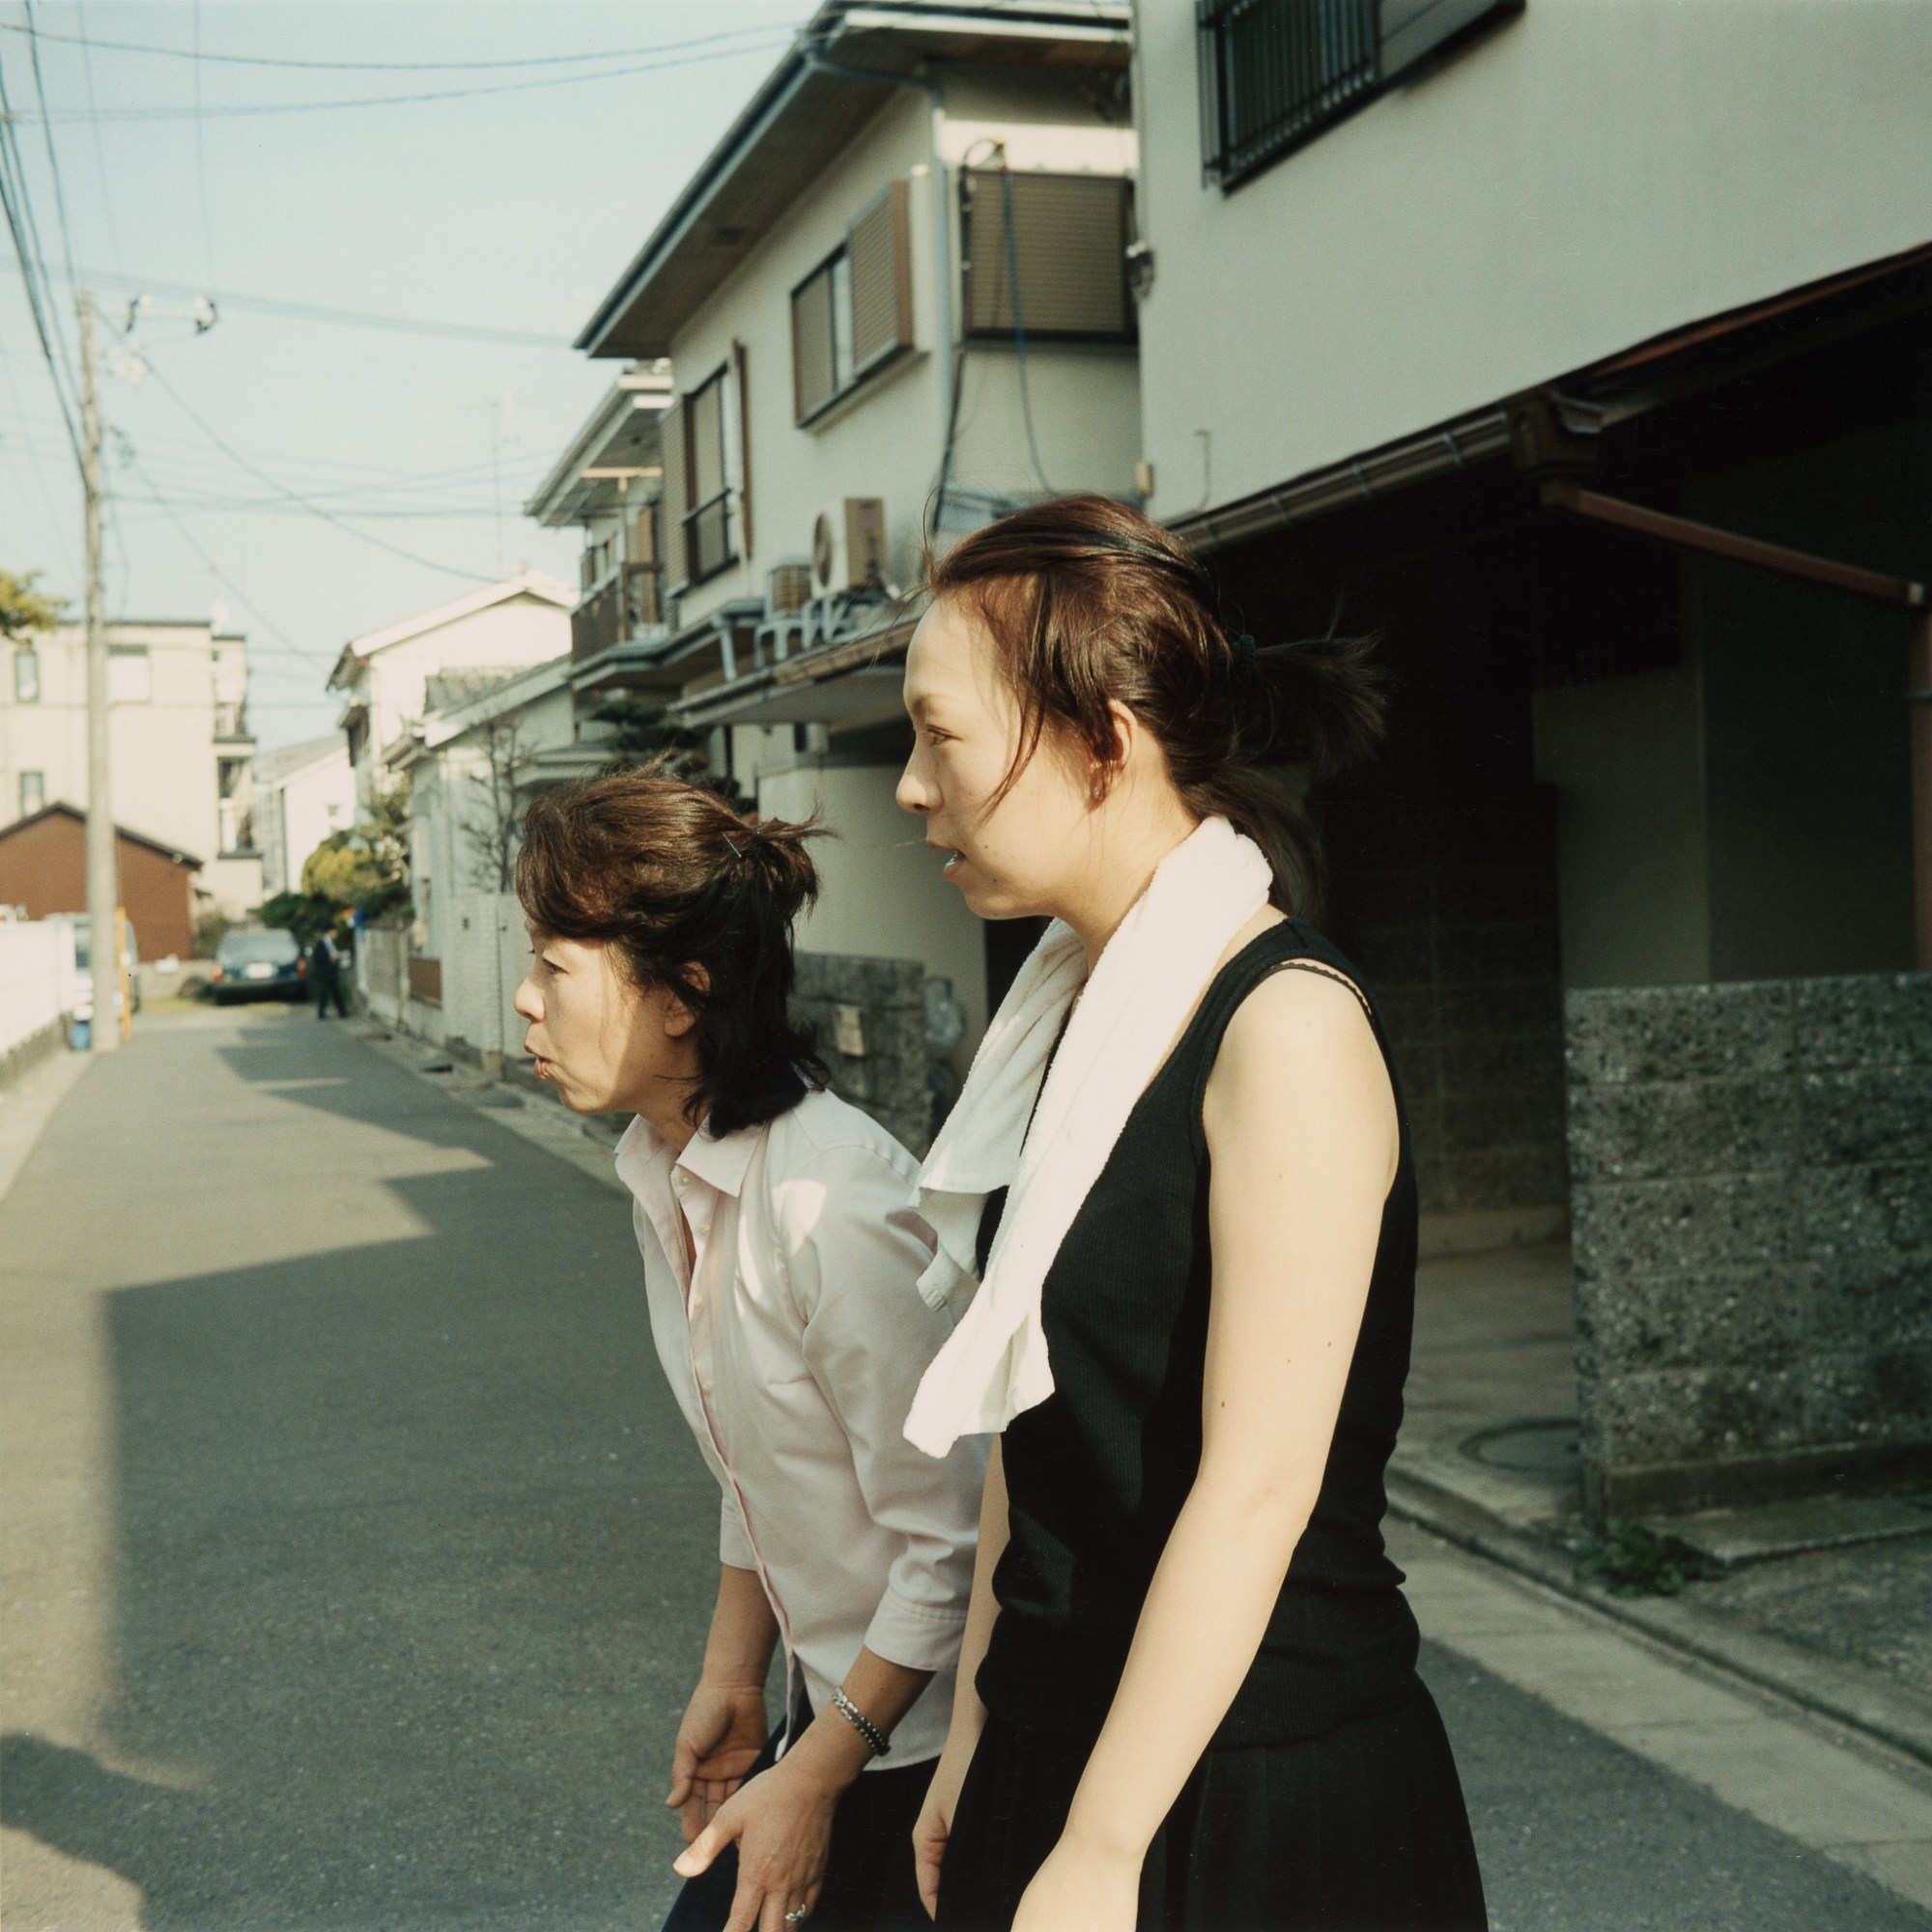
point(1360, 1830)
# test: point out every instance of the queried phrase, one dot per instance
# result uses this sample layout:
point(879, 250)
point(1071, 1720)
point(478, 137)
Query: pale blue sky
point(512, 210)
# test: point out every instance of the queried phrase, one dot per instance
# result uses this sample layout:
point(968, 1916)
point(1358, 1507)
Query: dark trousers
point(869, 1883)
point(330, 987)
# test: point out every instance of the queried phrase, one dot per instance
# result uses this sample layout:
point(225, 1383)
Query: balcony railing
point(624, 604)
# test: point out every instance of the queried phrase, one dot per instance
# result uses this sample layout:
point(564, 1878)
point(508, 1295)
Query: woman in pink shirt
point(781, 1253)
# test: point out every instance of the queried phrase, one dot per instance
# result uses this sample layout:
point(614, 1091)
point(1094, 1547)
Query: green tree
point(23, 611)
point(366, 868)
point(646, 737)
point(307, 915)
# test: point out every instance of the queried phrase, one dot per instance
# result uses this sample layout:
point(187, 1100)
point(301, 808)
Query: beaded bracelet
point(862, 1724)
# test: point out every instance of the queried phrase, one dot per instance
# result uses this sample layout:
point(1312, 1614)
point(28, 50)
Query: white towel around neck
point(1147, 980)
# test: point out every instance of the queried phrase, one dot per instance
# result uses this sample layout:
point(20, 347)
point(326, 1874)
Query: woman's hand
point(935, 1825)
point(1081, 1888)
point(781, 1823)
point(718, 1741)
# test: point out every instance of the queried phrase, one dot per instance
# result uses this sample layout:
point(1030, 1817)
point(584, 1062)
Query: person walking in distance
point(780, 1251)
point(1179, 1190)
point(325, 975)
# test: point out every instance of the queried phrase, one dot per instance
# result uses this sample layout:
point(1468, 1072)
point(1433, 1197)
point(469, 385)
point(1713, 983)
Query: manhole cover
point(1531, 1448)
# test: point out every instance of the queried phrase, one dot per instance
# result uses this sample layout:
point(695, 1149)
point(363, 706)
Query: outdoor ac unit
point(848, 548)
point(787, 589)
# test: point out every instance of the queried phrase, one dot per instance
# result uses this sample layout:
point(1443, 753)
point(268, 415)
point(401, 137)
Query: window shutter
point(743, 450)
point(879, 250)
point(1410, 31)
point(670, 444)
point(812, 376)
point(1068, 245)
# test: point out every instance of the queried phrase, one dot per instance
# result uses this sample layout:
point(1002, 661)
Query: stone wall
point(1751, 1211)
point(870, 1020)
point(1450, 915)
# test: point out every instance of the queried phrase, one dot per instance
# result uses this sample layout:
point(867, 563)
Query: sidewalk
point(1823, 1603)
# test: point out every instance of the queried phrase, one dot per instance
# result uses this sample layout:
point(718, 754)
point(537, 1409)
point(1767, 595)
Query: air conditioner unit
point(787, 589)
point(848, 548)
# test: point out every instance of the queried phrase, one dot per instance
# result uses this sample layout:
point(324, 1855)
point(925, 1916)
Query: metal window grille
point(1275, 72)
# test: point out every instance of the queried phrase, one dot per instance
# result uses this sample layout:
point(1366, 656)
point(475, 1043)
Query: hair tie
point(1246, 673)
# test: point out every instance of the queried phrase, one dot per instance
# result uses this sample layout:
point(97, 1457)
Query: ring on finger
point(798, 1914)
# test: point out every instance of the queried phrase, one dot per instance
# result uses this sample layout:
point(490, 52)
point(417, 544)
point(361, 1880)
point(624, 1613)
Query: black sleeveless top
point(1097, 1474)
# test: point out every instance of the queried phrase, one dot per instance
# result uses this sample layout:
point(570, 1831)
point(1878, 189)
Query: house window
point(130, 676)
point(33, 792)
point(1046, 256)
point(1275, 74)
point(853, 313)
point(26, 675)
point(709, 431)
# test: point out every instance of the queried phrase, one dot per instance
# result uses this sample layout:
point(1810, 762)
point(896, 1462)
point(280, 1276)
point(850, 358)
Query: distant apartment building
point(303, 794)
point(382, 677)
point(892, 303)
point(181, 747)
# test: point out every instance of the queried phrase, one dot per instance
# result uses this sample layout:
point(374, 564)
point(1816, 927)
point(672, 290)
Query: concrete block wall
point(1450, 915)
point(876, 1007)
point(1751, 1216)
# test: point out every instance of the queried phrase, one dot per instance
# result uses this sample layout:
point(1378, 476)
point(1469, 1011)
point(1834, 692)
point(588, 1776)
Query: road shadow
point(413, 1561)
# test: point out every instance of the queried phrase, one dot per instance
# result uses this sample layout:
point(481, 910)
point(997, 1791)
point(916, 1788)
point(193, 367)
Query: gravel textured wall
point(1752, 1206)
point(876, 1006)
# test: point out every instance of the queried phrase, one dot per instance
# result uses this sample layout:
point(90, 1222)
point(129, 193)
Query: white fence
point(34, 964)
point(486, 954)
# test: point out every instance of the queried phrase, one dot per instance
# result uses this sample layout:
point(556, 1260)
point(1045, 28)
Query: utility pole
point(103, 888)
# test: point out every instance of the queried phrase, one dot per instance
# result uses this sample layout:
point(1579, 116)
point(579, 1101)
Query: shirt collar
point(719, 1161)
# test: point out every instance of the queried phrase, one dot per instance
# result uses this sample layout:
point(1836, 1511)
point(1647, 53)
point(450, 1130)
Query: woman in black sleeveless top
point(1188, 1693)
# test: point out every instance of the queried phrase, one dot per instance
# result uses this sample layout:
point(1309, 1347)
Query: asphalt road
point(354, 1563)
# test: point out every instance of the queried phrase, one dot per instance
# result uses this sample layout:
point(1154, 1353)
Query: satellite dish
point(821, 551)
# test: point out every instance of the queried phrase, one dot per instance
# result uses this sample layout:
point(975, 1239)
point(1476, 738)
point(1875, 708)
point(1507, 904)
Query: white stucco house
point(504, 627)
point(303, 794)
point(892, 302)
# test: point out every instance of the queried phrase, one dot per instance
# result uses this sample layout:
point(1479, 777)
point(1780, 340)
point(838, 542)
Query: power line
point(348, 318)
point(100, 150)
point(328, 516)
point(132, 114)
point(48, 135)
point(25, 234)
point(222, 578)
point(195, 53)
point(201, 154)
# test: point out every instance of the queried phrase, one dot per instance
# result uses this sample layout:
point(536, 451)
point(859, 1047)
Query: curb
point(1859, 1700)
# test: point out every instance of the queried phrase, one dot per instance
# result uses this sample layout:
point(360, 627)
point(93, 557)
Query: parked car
point(262, 962)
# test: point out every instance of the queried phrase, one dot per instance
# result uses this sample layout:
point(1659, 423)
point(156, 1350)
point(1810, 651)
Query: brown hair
point(1091, 604)
point(673, 879)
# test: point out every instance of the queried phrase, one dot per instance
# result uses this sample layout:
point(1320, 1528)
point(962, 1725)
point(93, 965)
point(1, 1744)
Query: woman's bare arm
point(1302, 1136)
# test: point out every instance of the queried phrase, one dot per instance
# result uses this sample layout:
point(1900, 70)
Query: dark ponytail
point(674, 880)
point(1091, 604)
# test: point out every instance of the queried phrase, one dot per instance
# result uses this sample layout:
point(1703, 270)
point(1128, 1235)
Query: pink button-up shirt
point(780, 1268)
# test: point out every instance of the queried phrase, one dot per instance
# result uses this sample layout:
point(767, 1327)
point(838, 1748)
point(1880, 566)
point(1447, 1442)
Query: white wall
point(881, 895)
point(295, 813)
point(1593, 173)
point(486, 955)
point(885, 441)
point(30, 980)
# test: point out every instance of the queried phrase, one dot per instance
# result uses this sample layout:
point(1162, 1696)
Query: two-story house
point(382, 676)
point(1580, 348)
point(895, 298)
